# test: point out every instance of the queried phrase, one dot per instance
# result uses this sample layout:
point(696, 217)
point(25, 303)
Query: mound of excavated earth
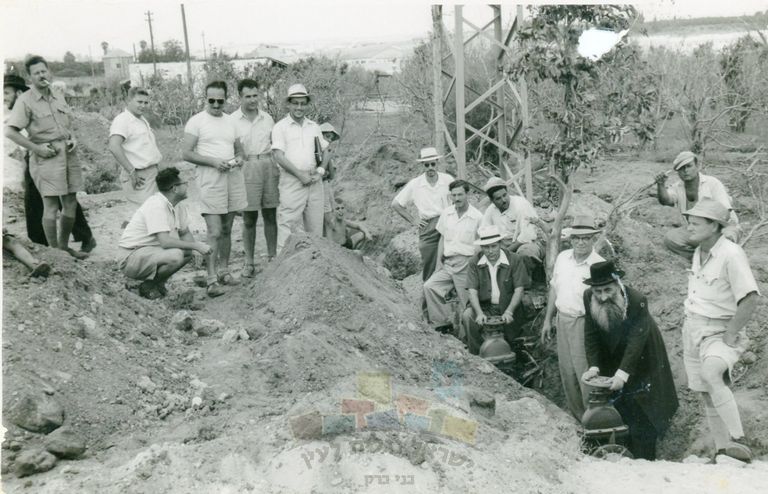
point(316, 377)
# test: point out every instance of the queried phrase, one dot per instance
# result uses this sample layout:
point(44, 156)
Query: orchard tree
point(172, 51)
point(104, 47)
point(69, 58)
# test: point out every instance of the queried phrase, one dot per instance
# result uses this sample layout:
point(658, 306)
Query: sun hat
point(428, 154)
point(710, 209)
point(16, 82)
point(582, 224)
point(493, 184)
point(602, 273)
point(327, 127)
point(298, 91)
point(683, 159)
point(489, 235)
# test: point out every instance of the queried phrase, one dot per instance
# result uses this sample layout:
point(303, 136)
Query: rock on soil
point(35, 461)
point(402, 257)
point(65, 443)
point(37, 413)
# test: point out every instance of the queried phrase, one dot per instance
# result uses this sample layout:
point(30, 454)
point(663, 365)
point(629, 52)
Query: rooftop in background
point(117, 53)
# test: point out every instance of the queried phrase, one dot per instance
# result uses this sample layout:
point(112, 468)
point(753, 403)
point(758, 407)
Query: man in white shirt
point(132, 143)
point(295, 143)
point(458, 229)
point(722, 297)
point(692, 187)
point(512, 214)
point(157, 242)
point(211, 143)
point(430, 195)
point(254, 129)
point(566, 294)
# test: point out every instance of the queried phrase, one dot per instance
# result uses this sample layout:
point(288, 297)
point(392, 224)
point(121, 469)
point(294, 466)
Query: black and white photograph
point(384, 247)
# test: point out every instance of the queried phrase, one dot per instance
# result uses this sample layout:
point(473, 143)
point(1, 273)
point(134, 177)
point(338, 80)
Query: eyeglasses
point(299, 103)
point(432, 164)
point(581, 239)
point(219, 101)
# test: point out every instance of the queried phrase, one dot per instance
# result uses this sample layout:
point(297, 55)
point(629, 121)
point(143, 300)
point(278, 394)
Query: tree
point(172, 51)
point(69, 58)
point(104, 46)
point(145, 54)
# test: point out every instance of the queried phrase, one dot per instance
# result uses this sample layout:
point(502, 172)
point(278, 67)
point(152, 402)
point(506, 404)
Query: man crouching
point(622, 341)
point(157, 241)
point(496, 280)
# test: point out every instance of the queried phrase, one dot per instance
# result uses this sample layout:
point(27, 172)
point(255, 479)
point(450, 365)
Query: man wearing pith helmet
point(722, 296)
point(693, 186)
point(430, 195)
point(294, 149)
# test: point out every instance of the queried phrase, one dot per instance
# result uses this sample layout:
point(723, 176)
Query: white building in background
point(140, 73)
point(116, 64)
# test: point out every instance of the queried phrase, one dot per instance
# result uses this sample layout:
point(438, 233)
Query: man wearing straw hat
point(429, 193)
point(722, 296)
point(512, 215)
point(623, 342)
point(693, 186)
point(329, 203)
point(294, 150)
point(496, 280)
point(565, 294)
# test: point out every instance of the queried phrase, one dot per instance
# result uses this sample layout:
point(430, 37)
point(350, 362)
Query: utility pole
point(152, 43)
point(135, 59)
point(186, 45)
point(437, 86)
point(205, 54)
point(90, 58)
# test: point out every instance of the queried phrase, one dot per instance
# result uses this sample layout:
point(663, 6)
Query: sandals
point(150, 291)
point(42, 270)
point(215, 290)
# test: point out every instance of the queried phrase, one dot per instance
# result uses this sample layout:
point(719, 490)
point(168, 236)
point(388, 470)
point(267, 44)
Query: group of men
point(246, 163)
point(604, 327)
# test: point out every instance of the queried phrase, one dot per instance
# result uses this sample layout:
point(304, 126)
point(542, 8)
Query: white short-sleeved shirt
point(514, 221)
point(715, 287)
point(297, 141)
point(709, 188)
point(139, 143)
point(155, 216)
point(256, 135)
point(215, 135)
point(568, 280)
point(430, 200)
point(459, 233)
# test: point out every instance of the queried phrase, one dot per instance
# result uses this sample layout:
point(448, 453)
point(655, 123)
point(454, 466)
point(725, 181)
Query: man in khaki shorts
point(132, 143)
point(211, 143)
point(55, 171)
point(157, 241)
point(254, 129)
point(722, 296)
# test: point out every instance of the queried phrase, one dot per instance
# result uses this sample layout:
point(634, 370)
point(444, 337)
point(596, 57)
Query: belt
point(261, 155)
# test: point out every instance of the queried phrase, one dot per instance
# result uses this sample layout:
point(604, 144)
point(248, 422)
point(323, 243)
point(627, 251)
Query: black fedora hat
point(15, 81)
point(602, 273)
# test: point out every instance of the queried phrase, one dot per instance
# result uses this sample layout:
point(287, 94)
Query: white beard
point(610, 314)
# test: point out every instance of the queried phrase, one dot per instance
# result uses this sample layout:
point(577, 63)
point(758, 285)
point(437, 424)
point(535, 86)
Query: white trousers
point(300, 206)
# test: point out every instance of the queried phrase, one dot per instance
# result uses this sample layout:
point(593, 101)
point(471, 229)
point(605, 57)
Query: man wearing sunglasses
point(693, 186)
point(211, 143)
point(157, 241)
point(300, 186)
point(429, 193)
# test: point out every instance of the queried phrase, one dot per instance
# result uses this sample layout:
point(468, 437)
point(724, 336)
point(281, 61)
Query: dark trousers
point(642, 433)
point(429, 238)
point(33, 212)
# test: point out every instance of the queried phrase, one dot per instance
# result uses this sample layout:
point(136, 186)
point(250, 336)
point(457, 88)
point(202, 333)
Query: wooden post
point(501, 125)
point(461, 143)
point(437, 86)
point(186, 45)
point(152, 43)
point(526, 122)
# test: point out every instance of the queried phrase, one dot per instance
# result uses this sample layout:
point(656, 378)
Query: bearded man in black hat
point(623, 342)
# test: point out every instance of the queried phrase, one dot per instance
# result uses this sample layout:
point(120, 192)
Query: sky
point(52, 27)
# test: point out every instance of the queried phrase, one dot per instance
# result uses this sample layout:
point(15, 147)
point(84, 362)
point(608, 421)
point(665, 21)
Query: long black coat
point(638, 349)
